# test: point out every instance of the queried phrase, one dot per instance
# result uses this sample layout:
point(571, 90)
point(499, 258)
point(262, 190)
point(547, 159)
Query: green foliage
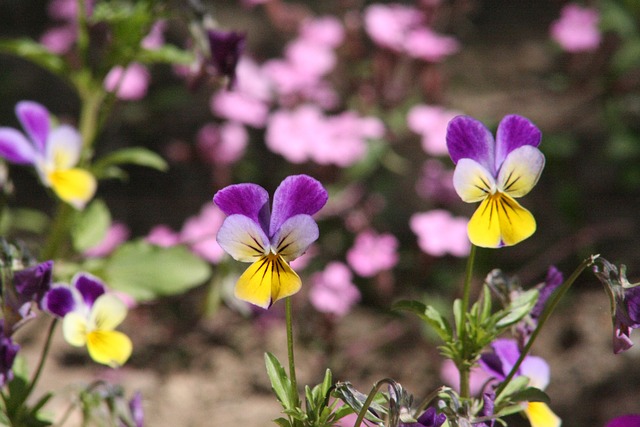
point(34, 52)
point(15, 408)
point(146, 271)
point(109, 166)
point(90, 225)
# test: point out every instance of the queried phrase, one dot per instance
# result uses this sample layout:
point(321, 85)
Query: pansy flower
point(28, 285)
point(269, 239)
point(90, 316)
point(501, 360)
point(54, 152)
point(495, 172)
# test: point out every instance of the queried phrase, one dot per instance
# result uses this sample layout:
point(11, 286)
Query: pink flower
point(440, 233)
point(423, 43)
point(372, 253)
point(163, 236)
point(430, 121)
point(155, 39)
point(577, 29)
point(332, 290)
point(451, 376)
point(388, 24)
point(131, 83)
point(60, 40)
point(116, 234)
point(224, 144)
point(326, 30)
point(292, 133)
point(253, 81)
point(239, 107)
point(199, 233)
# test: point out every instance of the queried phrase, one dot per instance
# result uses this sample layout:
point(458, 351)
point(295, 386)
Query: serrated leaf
point(280, 382)
point(146, 271)
point(35, 52)
point(90, 225)
point(134, 156)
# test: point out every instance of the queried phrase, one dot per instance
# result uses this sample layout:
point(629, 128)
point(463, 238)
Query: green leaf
point(146, 271)
point(34, 52)
point(531, 394)
point(133, 155)
point(166, 54)
point(518, 308)
point(282, 422)
point(280, 382)
point(430, 315)
point(23, 219)
point(514, 386)
point(90, 225)
point(458, 316)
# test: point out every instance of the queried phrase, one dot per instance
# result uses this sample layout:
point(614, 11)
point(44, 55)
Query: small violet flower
point(372, 253)
point(625, 303)
point(226, 47)
point(625, 421)
point(29, 285)
point(90, 316)
point(429, 418)
point(53, 152)
point(8, 352)
point(494, 172)
point(269, 239)
point(499, 363)
point(333, 291)
point(577, 29)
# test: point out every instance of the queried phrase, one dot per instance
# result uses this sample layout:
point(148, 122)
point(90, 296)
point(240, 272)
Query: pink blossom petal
point(332, 290)
point(131, 83)
point(440, 233)
point(372, 253)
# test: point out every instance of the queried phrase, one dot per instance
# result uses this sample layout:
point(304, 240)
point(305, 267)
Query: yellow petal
point(74, 329)
point(500, 221)
point(540, 415)
point(111, 348)
point(74, 186)
point(266, 281)
point(107, 312)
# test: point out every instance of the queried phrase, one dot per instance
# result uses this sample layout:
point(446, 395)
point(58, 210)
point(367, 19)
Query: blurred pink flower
point(117, 234)
point(326, 30)
point(252, 80)
point(577, 28)
point(451, 377)
point(436, 182)
point(222, 144)
point(388, 24)
point(440, 233)
point(239, 107)
point(423, 43)
point(155, 39)
point(199, 233)
point(332, 290)
point(131, 83)
point(60, 40)
point(162, 235)
point(430, 121)
point(372, 253)
point(307, 134)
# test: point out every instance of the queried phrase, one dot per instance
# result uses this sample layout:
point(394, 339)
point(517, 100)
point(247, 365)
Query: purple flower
point(8, 352)
point(28, 285)
point(226, 48)
point(495, 172)
point(625, 303)
point(501, 360)
point(137, 411)
point(269, 239)
point(625, 421)
point(430, 418)
point(54, 152)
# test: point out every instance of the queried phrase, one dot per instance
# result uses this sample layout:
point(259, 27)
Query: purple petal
point(553, 280)
point(8, 352)
point(32, 283)
point(90, 287)
point(625, 421)
point(226, 48)
point(514, 132)
point(467, 138)
point(35, 121)
point(508, 352)
point(621, 340)
point(249, 200)
point(15, 147)
point(137, 411)
point(59, 301)
point(537, 370)
point(297, 194)
point(491, 363)
point(632, 300)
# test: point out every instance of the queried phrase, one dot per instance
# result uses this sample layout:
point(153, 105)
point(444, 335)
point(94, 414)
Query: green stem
point(292, 363)
point(369, 401)
point(59, 231)
point(465, 368)
point(43, 358)
point(544, 316)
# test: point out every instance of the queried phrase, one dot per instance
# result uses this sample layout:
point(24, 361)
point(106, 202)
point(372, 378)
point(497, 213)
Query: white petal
point(520, 171)
point(64, 146)
point(472, 181)
point(243, 239)
point(107, 312)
